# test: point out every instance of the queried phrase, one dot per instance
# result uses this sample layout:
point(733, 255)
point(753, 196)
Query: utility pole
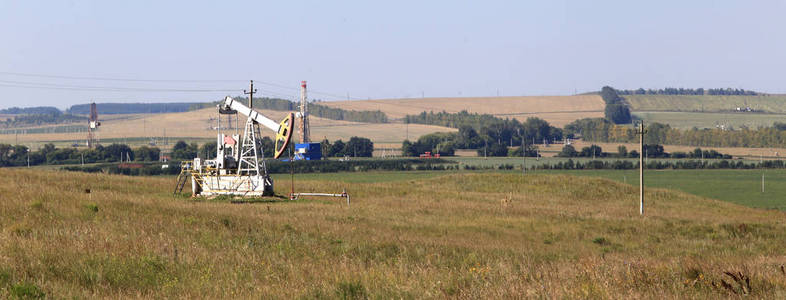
point(641, 168)
point(762, 181)
point(250, 94)
point(485, 149)
point(291, 176)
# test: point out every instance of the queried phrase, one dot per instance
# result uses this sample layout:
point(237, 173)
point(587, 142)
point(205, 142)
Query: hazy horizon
point(61, 54)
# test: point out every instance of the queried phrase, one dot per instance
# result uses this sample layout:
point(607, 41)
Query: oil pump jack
point(239, 167)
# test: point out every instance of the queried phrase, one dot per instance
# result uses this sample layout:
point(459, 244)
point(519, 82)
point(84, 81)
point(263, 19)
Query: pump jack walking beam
point(282, 129)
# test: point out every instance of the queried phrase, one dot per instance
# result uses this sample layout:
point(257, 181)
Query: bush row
point(687, 164)
point(280, 167)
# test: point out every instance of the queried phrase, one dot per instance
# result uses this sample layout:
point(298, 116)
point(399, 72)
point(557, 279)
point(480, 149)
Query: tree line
point(355, 147)
point(602, 130)
point(41, 119)
point(650, 151)
point(660, 165)
point(489, 135)
point(616, 110)
point(280, 167)
point(684, 91)
point(133, 108)
point(30, 110)
point(322, 111)
point(18, 155)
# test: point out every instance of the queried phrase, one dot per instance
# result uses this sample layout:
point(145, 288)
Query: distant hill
point(137, 108)
point(30, 110)
point(557, 110)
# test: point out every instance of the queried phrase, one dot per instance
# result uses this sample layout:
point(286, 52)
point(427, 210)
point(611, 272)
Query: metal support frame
point(248, 163)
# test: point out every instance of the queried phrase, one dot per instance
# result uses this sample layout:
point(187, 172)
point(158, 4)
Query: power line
point(37, 85)
point(294, 88)
point(118, 79)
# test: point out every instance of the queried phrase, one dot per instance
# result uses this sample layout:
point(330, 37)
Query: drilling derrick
point(306, 150)
point(92, 126)
point(304, 126)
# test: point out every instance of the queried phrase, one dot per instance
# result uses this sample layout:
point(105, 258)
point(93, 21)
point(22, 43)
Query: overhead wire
point(118, 79)
point(23, 84)
point(317, 92)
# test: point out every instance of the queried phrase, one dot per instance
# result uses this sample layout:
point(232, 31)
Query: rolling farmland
point(706, 103)
point(688, 120)
point(199, 125)
point(557, 110)
point(708, 111)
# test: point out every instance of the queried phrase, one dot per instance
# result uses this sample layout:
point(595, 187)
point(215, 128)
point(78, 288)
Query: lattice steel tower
point(305, 128)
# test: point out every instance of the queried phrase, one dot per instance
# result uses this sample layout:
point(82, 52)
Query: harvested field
point(199, 124)
point(557, 110)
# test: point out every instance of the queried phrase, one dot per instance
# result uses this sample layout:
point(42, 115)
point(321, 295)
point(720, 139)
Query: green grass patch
point(25, 290)
point(737, 186)
point(688, 120)
point(359, 177)
point(706, 103)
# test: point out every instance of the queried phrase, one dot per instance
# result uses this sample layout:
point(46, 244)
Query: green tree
point(408, 149)
point(208, 150)
point(622, 151)
point(359, 147)
point(618, 113)
point(184, 151)
point(568, 151)
point(146, 153)
point(337, 149)
point(592, 151)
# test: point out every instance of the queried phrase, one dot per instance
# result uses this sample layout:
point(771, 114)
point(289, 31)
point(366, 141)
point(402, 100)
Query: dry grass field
point(198, 124)
point(557, 110)
point(466, 235)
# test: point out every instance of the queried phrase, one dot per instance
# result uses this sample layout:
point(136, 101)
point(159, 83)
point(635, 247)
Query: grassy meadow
point(742, 187)
point(688, 120)
point(706, 103)
point(461, 235)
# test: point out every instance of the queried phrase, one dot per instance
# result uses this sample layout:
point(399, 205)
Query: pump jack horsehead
point(283, 129)
point(237, 169)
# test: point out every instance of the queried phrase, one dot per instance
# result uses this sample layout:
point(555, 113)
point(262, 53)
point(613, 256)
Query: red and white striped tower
point(305, 128)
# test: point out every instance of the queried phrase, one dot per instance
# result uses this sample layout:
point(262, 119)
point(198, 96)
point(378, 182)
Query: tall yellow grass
point(554, 237)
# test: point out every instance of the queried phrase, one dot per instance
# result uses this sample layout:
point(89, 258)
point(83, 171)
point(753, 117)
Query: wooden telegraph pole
point(250, 94)
point(641, 167)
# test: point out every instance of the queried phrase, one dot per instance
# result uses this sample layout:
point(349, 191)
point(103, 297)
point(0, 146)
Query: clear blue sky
point(375, 49)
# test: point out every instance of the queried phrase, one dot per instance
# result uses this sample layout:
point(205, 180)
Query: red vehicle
point(428, 155)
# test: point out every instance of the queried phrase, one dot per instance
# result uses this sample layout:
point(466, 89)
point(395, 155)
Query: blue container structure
point(308, 151)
